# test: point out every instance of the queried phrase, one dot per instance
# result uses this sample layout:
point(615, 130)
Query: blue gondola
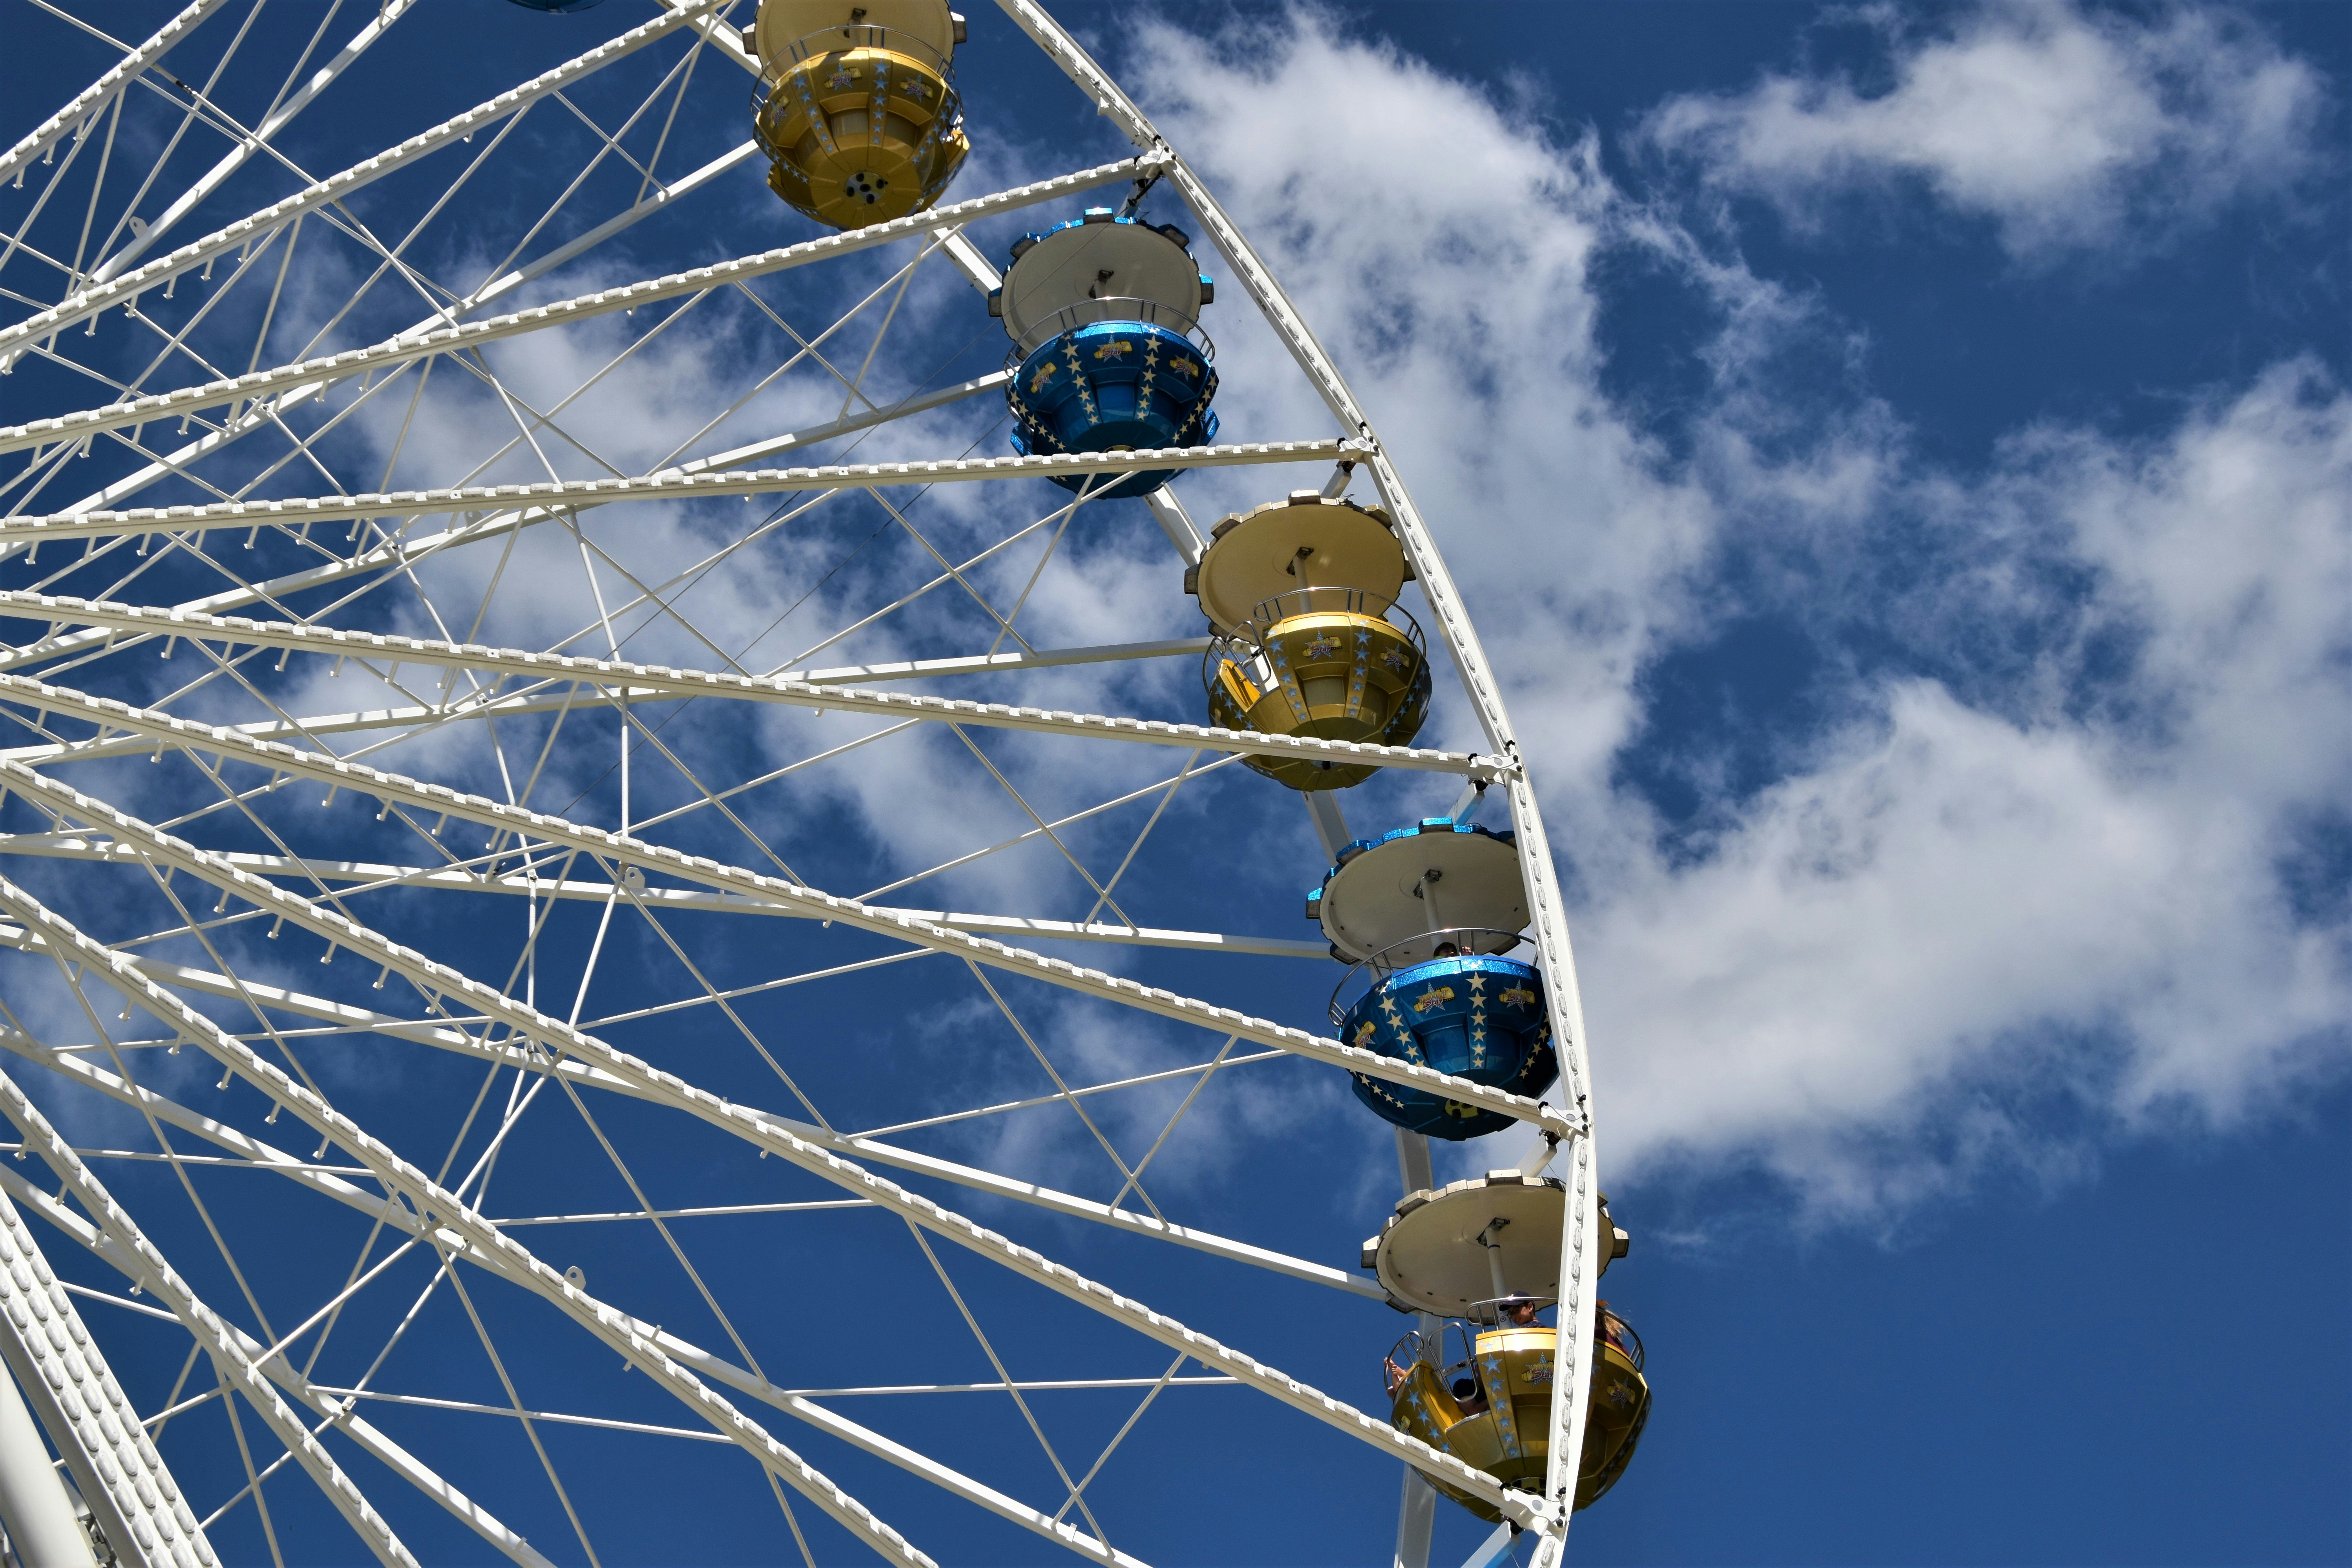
point(1476, 1015)
point(1108, 355)
point(1428, 915)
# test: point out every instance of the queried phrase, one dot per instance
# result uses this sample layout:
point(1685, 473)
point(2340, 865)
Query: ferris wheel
point(489, 726)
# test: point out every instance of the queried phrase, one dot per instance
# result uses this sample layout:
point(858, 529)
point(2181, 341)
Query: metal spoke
point(531, 712)
point(1005, 1378)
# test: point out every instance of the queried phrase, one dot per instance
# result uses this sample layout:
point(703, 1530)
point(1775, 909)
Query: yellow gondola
point(1311, 640)
point(856, 106)
point(1483, 1254)
point(1492, 1410)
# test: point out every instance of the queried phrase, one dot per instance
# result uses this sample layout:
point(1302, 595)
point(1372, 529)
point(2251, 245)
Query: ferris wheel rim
point(1360, 446)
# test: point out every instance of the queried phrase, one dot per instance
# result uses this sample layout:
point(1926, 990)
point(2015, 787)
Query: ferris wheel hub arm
point(547, 496)
point(215, 1335)
point(600, 842)
point(440, 1209)
point(86, 302)
point(655, 682)
point(398, 1460)
point(442, 1217)
point(435, 337)
point(95, 97)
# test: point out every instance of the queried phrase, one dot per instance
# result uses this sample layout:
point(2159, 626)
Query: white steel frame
point(538, 856)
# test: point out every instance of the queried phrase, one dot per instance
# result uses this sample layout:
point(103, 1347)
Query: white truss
point(99, 93)
point(115, 1468)
point(538, 859)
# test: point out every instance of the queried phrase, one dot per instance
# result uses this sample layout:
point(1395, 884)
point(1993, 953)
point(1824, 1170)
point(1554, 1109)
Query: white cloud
point(1989, 879)
point(2072, 885)
point(2049, 869)
point(2064, 127)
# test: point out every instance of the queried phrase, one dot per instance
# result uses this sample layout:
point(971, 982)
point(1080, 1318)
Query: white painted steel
point(451, 339)
point(43, 1524)
point(655, 858)
point(84, 303)
point(150, 1524)
point(565, 495)
point(629, 872)
point(476, 1239)
point(373, 1441)
point(264, 412)
point(97, 94)
point(142, 240)
point(655, 682)
point(1570, 1390)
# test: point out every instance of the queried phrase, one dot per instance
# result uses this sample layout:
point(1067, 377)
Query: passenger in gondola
point(1520, 1312)
point(1471, 1397)
point(1610, 1329)
point(1447, 950)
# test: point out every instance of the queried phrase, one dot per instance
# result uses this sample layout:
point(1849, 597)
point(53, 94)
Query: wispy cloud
point(2068, 129)
point(2079, 706)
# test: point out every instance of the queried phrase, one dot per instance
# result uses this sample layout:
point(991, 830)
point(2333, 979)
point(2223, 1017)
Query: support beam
point(399, 554)
point(454, 1229)
point(649, 682)
point(220, 1341)
point(455, 338)
point(468, 1233)
point(683, 900)
point(268, 413)
point(120, 1475)
point(968, 260)
point(991, 663)
point(399, 1461)
point(549, 494)
point(84, 303)
point(1330, 823)
point(248, 146)
point(872, 1150)
point(337, 1403)
point(598, 842)
point(1177, 524)
point(97, 94)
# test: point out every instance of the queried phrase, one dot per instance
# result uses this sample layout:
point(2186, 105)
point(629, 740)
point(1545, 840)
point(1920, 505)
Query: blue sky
point(1898, 460)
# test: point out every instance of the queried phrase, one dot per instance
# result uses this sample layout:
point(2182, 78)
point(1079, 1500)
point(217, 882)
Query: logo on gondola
point(1321, 647)
point(1619, 1395)
point(1540, 1372)
point(1044, 374)
point(1187, 367)
point(1366, 1031)
point(1395, 658)
point(842, 78)
point(1435, 996)
point(1118, 348)
point(1518, 996)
